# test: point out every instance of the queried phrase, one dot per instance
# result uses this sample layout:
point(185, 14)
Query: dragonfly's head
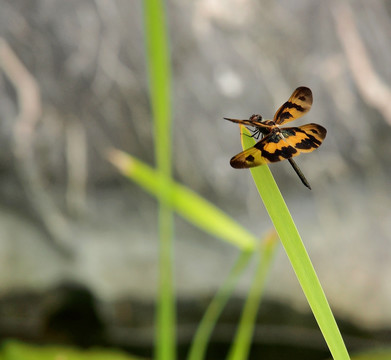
point(255, 117)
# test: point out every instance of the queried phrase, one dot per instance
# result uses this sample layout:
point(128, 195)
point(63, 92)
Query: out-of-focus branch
point(76, 154)
point(27, 93)
point(374, 91)
point(29, 100)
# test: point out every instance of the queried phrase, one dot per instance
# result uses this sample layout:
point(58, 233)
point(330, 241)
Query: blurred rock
point(234, 60)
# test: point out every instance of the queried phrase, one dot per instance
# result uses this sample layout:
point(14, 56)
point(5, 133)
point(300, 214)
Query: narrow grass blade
point(185, 202)
point(242, 343)
point(158, 64)
point(209, 320)
point(297, 254)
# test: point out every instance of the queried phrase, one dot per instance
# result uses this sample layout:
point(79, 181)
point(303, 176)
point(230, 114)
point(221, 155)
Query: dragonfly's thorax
point(275, 134)
point(269, 127)
point(269, 122)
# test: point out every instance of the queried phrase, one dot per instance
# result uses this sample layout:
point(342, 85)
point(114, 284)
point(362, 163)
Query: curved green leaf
point(297, 254)
point(185, 202)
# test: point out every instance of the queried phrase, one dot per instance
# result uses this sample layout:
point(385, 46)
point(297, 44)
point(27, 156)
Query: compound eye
point(255, 117)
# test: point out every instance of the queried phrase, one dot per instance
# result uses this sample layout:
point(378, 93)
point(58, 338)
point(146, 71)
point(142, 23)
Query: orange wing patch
point(304, 138)
point(298, 104)
point(272, 148)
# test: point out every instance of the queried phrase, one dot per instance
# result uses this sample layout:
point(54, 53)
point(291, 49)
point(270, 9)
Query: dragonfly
point(281, 143)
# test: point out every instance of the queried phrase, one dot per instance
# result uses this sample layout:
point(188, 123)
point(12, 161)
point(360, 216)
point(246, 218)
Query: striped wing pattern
point(298, 104)
point(278, 146)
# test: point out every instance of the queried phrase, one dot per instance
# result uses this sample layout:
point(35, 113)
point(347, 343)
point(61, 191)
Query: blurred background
point(78, 241)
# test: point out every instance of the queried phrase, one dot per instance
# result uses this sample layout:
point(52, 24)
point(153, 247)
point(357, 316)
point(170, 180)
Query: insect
point(277, 143)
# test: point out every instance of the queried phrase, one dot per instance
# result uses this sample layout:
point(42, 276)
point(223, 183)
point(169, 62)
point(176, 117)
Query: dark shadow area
point(71, 315)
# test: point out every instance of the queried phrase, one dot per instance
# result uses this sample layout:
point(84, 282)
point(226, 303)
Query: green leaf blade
point(242, 342)
point(159, 71)
point(185, 202)
point(202, 336)
point(297, 254)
